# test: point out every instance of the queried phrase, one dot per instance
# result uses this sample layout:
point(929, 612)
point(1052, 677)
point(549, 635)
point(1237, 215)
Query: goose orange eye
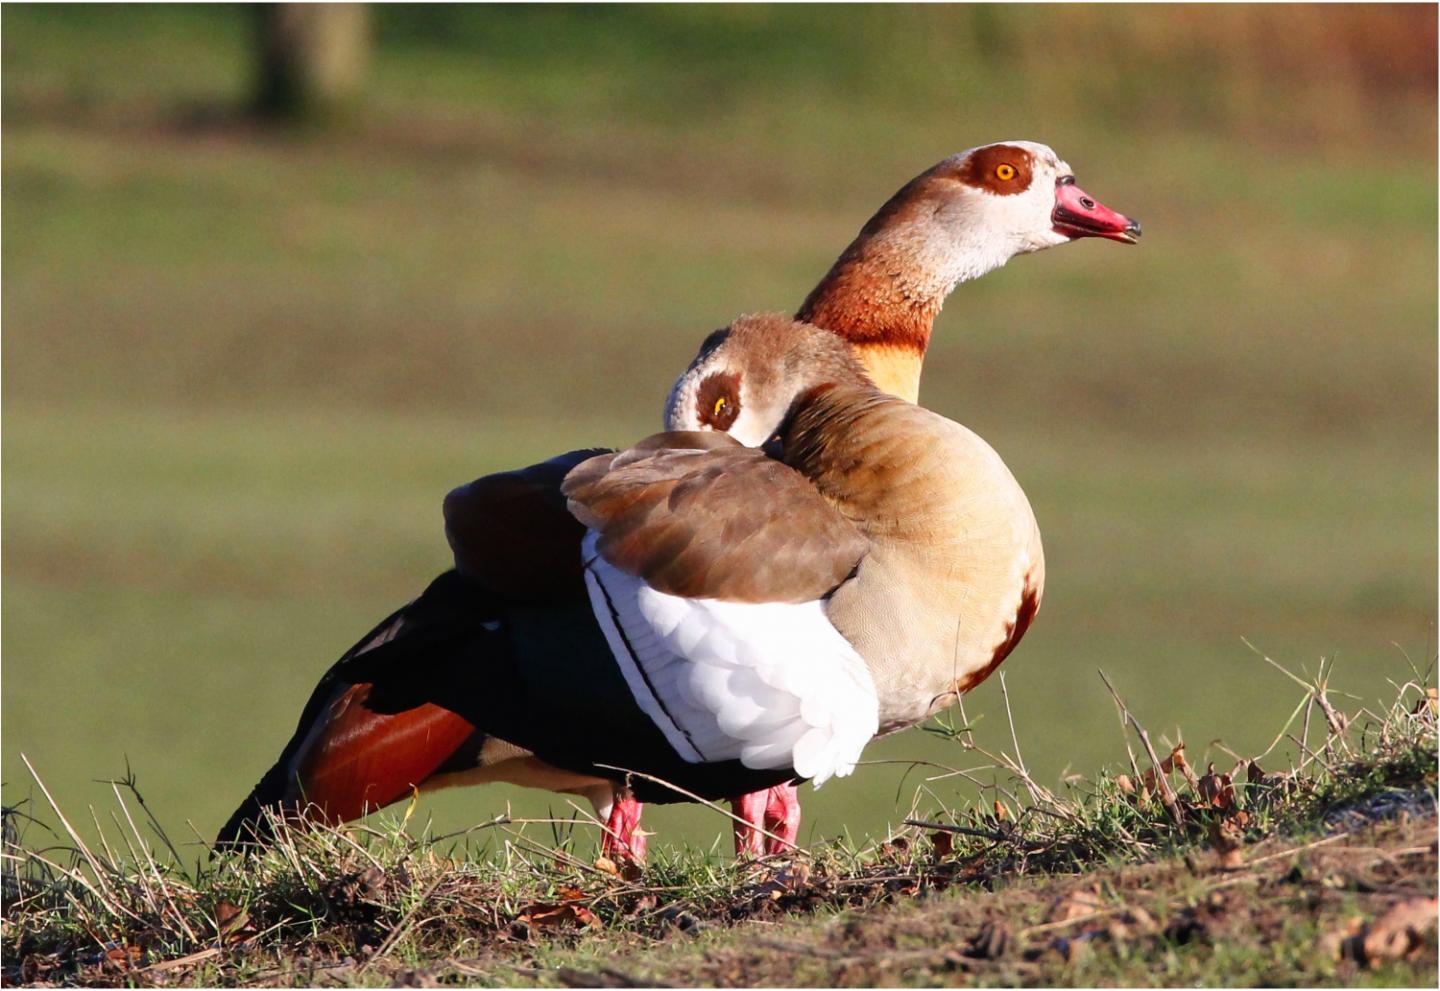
point(720, 404)
point(1005, 173)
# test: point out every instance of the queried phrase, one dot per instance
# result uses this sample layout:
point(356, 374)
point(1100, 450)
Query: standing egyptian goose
point(959, 219)
point(737, 617)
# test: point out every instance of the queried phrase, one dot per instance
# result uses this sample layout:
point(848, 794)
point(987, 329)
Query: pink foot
point(624, 841)
point(751, 808)
point(782, 817)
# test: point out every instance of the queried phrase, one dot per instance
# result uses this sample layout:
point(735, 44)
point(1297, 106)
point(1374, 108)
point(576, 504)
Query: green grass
point(1242, 878)
point(241, 369)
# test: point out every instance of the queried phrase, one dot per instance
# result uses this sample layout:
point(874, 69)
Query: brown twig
point(185, 961)
point(983, 834)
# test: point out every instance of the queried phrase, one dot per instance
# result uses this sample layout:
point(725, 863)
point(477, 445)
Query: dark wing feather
point(512, 533)
point(723, 521)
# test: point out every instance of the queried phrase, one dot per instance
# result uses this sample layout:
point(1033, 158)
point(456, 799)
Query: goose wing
point(707, 569)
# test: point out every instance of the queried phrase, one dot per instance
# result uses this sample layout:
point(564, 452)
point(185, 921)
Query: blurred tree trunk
point(312, 58)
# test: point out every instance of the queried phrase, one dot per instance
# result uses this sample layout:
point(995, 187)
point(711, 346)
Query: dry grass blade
point(100, 888)
point(1167, 794)
point(1318, 688)
point(320, 892)
point(160, 884)
point(404, 925)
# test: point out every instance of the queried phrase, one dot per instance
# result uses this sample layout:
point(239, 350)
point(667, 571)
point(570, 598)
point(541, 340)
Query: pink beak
point(1077, 214)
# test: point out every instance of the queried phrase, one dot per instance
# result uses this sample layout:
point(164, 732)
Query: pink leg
point(751, 808)
point(624, 842)
point(782, 817)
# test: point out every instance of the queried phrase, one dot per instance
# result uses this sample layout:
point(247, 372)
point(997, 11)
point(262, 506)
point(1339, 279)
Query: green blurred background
point(242, 363)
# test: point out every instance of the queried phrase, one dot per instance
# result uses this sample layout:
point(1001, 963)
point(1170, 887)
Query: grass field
point(242, 368)
point(1317, 875)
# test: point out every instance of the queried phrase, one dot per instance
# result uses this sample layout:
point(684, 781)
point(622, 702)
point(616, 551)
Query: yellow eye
point(1005, 173)
point(720, 404)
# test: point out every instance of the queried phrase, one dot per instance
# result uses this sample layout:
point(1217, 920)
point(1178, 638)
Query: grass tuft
point(362, 904)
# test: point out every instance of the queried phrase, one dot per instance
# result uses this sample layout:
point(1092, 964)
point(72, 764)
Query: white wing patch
point(772, 684)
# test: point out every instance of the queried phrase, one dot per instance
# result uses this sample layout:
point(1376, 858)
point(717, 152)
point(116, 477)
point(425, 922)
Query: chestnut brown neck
point(866, 300)
point(886, 320)
point(883, 292)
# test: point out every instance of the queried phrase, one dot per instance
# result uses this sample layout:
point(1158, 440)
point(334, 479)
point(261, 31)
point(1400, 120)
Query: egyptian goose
point(881, 296)
point(959, 219)
point(737, 617)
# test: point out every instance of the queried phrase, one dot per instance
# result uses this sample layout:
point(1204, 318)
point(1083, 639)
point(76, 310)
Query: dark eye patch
point(982, 168)
point(717, 401)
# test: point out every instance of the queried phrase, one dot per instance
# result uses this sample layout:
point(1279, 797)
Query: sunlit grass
point(361, 901)
point(241, 370)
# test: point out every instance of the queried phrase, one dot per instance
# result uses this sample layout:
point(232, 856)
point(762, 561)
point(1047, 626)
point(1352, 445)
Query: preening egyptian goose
point(737, 618)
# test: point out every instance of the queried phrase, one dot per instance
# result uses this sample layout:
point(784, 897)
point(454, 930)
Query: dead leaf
point(226, 913)
point(1132, 923)
point(1123, 782)
point(895, 849)
point(943, 842)
point(1255, 775)
point(122, 957)
point(795, 877)
point(1399, 934)
point(1216, 790)
point(1002, 814)
point(643, 904)
point(232, 922)
point(1176, 762)
point(550, 916)
point(607, 865)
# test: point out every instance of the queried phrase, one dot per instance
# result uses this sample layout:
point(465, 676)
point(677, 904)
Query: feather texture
point(700, 516)
point(772, 684)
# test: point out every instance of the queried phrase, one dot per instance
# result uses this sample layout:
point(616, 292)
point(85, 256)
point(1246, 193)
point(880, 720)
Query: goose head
point(749, 375)
point(1021, 195)
point(974, 211)
point(962, 217)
